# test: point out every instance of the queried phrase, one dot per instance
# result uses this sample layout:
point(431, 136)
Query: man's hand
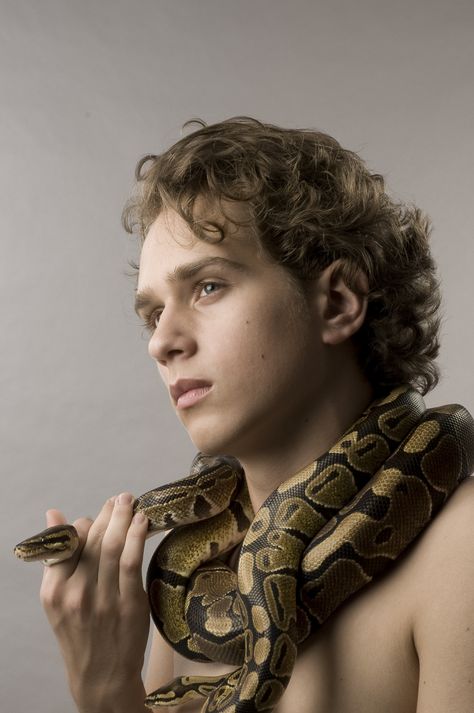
point(98, 609)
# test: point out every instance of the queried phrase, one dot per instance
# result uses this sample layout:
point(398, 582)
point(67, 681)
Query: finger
point(63, 570)
point(90, 554)
point(55, 517)
point(113, 543)
point(130, 572)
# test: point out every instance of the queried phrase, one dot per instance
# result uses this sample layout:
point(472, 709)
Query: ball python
point(321, 536)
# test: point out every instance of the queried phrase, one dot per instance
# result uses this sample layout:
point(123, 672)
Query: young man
point(283, 291)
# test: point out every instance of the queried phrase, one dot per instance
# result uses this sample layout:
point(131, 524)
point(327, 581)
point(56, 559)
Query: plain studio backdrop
point(88, 87)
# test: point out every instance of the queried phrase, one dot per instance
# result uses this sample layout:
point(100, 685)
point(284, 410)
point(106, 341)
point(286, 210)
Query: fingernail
point(125, 499)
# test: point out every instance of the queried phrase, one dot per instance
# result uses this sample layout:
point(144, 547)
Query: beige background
point(87, 87)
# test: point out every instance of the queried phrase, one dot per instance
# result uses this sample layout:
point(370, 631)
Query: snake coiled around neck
point(321, 536)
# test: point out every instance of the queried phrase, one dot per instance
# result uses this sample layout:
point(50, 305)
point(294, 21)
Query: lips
point(183, 385)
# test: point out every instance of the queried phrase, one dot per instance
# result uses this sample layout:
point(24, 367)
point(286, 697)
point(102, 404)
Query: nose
point(173, 337)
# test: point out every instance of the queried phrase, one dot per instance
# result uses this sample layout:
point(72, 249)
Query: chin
point(210, 442)
point(211, 448)
point(216, 436)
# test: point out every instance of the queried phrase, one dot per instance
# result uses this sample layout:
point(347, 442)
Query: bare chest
point(362, 660)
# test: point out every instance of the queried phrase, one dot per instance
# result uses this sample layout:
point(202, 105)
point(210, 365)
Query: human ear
point(342, 308)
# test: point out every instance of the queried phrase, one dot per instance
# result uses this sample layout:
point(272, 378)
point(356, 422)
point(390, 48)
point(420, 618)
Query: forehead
point(170, 243)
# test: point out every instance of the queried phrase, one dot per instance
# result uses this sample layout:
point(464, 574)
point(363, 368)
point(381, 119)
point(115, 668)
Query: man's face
point(228, 317)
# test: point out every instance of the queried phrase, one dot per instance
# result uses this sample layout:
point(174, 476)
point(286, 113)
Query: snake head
point(52, 545)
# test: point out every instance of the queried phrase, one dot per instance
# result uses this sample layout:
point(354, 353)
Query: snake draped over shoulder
point(320, 537)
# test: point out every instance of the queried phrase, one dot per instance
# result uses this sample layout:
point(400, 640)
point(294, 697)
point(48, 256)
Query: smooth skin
point(285, 381)
point(285, 385)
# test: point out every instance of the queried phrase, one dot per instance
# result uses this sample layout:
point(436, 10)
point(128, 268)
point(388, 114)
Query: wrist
point(127, 697)
point(130, 700)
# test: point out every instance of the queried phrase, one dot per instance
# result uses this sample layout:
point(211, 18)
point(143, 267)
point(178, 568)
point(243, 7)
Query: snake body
point(320, 537)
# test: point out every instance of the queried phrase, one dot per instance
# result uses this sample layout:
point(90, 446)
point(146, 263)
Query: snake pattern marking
point(321, 536)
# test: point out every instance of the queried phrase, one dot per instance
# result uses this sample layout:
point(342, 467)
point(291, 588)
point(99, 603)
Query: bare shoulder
point(442, 583)
point(445, 550)
point(450, 535)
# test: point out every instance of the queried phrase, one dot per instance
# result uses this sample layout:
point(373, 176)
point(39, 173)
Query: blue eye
point(206, 288)
point(209, 287)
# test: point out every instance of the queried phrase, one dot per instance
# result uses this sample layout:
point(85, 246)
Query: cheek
point(163, 372)
point(266, 345)
point(258, 340)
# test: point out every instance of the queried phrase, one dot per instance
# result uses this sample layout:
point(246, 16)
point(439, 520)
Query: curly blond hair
point(311, 202)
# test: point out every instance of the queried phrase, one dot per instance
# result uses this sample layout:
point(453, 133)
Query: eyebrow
point(185, 272)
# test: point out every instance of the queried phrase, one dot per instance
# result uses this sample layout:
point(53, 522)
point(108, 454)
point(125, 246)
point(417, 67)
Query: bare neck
point(310, 436)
